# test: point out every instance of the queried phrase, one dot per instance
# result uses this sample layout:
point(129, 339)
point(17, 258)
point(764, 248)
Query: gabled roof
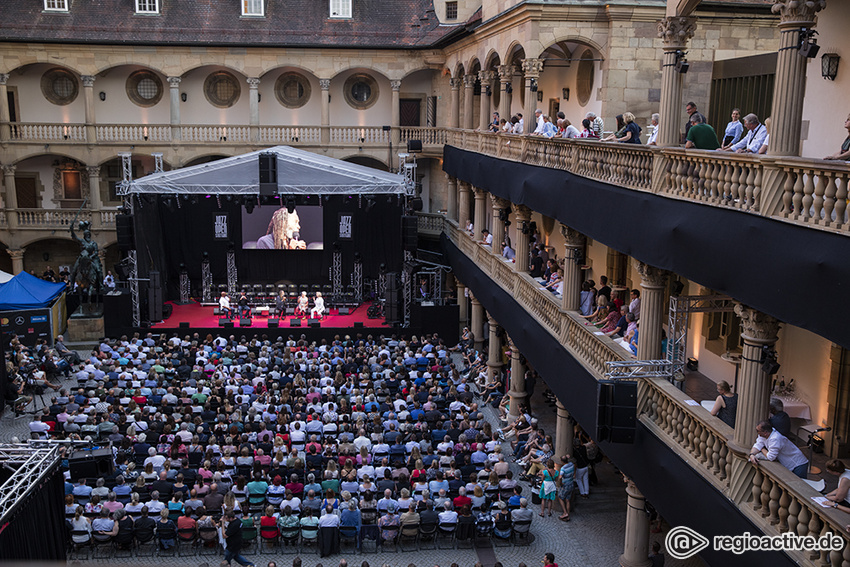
point(298, 173)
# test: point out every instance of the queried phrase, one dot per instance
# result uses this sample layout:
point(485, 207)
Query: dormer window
point(252, 8)
point(147, 6)
point(56, 5)
point(340, 8)
point(451, 10)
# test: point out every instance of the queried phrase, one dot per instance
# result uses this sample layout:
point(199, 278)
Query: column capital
point(499, 203)
point(395, 85)
point(486, 76)
point(473, 299)
point(459, 283)
point(506, 73)
point(253, 82)
point(17, 254)
point(675, 31)
point(93, 170)
point(532, 67)
point(325, 84)
point(3, 78)
point(455, 83)
point(9, 169)
point(573, 238)
point(797, 12)
point(493, 323)
point(469, 81)
point(650, 276)
point(174, 82)
point(757, 327)
point(479, 192)
point(88, 80)
point(523, 213)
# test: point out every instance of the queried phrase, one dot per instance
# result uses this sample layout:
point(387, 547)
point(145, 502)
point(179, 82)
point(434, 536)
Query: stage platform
point(202, 317)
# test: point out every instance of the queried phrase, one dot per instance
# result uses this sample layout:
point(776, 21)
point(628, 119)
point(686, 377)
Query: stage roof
point(298, 173)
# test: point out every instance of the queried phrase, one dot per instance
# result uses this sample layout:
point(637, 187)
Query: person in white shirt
point(771, 445)
point(448, 516)
point(224, 304)
point(303, 305)
point(109, 281)
point(318, 306)
point(752, 142)
point(328, 518)
point(538, 116)
point(654, 134)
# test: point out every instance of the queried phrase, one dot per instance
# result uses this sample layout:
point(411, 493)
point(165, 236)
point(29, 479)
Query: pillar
point(480, 214)
point(451, 198)
point(254, 108)
point(325, 86)
point(486, 77)
point(454, 116)
point(653, 282)
point(564, 432)
point(757, 330)
point(506, 74)
point(636, 546)
point(463, 210)
point(462, 303)
point(574, 244)
point(517, 387)
point(675, 31)
point(494, 355)
point(174, 91)
point(95, 204)
point(498, 225)
point(531, 68)
point(88, 96)
point(468, 99)
point(395, 120)
point(5, 115)
point(477, 323)
point(17, 260)
point(11, 197)
point(790, 86)
point(523, 215)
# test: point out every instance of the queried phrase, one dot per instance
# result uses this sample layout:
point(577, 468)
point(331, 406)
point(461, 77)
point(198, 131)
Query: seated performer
point(244, 307)
point(224, 304)
point(318, 306)
point(280, 304)
point(303, 305)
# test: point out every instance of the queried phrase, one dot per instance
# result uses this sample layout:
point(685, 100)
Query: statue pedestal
point(86, 324)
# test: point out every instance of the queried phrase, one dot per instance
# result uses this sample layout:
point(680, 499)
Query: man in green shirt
point(701, 135)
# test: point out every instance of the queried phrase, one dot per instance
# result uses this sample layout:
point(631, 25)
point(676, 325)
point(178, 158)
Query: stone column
point(790, 86)
point(516, 392)
point(95, 204)
point(486, 77)
point(451, 206)
point(254, 108)
point(564, 432)
point(636, 546)
point(494, 355)
point(468, 99)
point(531, 68)
point(88, 96)
point(757, 330)
point(477, 323)
point(523, 214)
point(506, 74)
point(10, 197)
point(5, 115)
point(653, 281)
point(675, 31)
point(17, 260)
point(463, 209)
point(174, 91)
point(480, 214)
point(575, 243)
point(395, 119)
point(498, 228)
point(454, 115)
point(462, 303)
point(325, 85)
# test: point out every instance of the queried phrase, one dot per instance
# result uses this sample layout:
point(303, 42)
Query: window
point(584, 77)
point(222, 89)
point(292, 90)
point(147, 6)
point(59, 86)
point(56, 5)
point(451, 10)
point(144, 88)
point(361, 91)
point(340, 8)
point(252, 8)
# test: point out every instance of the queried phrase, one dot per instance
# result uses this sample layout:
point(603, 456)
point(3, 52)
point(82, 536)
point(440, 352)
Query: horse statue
point(87, 266)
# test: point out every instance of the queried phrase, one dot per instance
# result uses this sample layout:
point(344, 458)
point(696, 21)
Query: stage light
point(382, 268)
point(249, 205)
point(206, 255)
point(808, 45)
point(290, 205)
point(509, 88)
point(370, 203)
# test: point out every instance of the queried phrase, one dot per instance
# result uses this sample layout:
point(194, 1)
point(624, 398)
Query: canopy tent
point(298, 173)
point(32, 308)
point(26, 291)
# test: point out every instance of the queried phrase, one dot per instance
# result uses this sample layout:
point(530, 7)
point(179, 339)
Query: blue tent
point(26, 291)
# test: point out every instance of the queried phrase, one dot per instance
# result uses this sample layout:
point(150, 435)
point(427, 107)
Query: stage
point(202, 317)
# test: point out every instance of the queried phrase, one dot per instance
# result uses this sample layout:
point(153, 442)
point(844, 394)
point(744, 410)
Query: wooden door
point(409, 110)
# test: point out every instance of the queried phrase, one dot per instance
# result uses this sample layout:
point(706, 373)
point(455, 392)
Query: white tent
point(4, 277)
point(298, 173)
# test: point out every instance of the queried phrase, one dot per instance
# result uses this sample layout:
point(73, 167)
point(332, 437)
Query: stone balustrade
point(815, 193)
point(132, 133)
point(52, 219)
point(291, 135)
point(359, 135)
point(430, 224)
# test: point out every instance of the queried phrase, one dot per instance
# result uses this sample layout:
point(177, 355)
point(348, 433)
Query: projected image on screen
point(275, 228)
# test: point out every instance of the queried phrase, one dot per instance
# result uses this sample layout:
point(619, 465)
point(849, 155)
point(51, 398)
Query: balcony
point(55, 219)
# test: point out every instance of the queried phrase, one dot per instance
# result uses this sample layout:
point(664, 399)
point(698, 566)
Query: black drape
point(36, 530)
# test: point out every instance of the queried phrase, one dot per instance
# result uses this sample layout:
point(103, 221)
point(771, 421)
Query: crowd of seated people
point(380, 434)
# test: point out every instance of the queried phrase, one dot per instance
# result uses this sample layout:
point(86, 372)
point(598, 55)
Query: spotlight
point(533, 86)
point(249, 204)
point(769, 365)
point(370, 203)
point(808, 45)
point(290, 205)
point(206, 255)
point(488, 91)
point(682, 64)
point(509, 88)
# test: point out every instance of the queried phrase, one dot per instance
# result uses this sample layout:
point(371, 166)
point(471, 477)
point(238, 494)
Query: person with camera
point(15, 393)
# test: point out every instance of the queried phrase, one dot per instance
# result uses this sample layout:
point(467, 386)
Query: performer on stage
point(244, 307)
point(303, 305)
point(224, 304)
point(318, 306)
point(280, 304)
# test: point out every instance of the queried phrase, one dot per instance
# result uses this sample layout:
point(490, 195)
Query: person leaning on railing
point(844, 153)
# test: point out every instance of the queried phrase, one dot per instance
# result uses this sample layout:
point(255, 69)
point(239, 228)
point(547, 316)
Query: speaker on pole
point(124, 232)
point(409, 233)
point(155, 297)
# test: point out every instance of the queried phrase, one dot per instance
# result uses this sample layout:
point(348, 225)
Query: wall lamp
point(184, 97)
point(102, 96)
point(829, 65)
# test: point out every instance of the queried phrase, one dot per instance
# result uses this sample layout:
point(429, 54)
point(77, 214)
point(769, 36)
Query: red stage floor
point(203, 317)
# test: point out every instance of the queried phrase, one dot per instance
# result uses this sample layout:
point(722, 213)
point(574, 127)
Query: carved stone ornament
point(395, 85)
point(9, 169)
point(573, 238)
point(3, 78)
point(469, 81)
point(93, 171)
point(486, 77)
point(522, 212)
point(506, 73)
point(455, 83)
point(532, 67)
point(499, 203)
point(88, 80)
point(174, 82)
point(480, 194)
point(798, 11)
point(757, 326)
point(677, 30)
point(325, 84)
point(253, 82)
point(650, 276)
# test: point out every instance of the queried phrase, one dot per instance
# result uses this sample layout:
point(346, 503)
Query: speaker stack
point(391, 308)
point(409, 233)
point(268, 174)
point(155, 297)
point(90, 464)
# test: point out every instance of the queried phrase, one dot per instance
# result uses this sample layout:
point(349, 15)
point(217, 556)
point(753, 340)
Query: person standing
point(691, 109)
point(734, 130)
point(233, 540)
point(654, 134)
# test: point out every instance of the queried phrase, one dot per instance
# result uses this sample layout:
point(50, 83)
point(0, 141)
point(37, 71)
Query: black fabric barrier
point(774, 266)
point(679, 493)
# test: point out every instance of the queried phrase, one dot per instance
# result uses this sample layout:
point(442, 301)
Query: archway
point(570, 79)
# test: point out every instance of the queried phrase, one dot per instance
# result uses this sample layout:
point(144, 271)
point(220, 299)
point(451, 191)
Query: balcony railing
point(53, 219)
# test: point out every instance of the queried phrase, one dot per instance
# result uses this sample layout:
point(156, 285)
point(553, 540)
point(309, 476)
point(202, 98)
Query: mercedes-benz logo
point(19, 320)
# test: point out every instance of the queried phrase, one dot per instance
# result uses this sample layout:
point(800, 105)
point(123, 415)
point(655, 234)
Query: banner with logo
point(29, 325)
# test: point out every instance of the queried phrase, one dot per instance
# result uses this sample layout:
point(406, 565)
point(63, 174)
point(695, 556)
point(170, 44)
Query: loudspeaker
point(414, 146)
point(295, 322)
point(124, 232)
point(268, 174)
point(223, 322)
point(409, 233)
point(90, 464)
point(274, 323)
point(617, 411)
point(155, 297)
point(358, 324)
point(117, 312)
point(167, 310)
point(245, 322)
point(392, 281)
point(315, 323)
point(344, 311)
point(184, 325)
point(229, 324)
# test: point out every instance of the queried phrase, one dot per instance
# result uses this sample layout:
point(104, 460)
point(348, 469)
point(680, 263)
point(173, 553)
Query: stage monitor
point(275, 228)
